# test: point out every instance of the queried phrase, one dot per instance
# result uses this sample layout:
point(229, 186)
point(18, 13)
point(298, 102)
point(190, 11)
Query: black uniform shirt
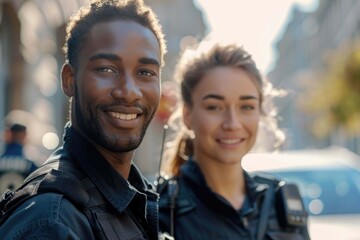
point(200, 213)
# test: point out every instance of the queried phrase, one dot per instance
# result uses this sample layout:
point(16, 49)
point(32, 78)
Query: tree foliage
point(333, 97)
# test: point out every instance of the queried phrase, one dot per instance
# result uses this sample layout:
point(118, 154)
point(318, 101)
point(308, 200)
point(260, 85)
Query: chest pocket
point(109, 226)
point(106, 223)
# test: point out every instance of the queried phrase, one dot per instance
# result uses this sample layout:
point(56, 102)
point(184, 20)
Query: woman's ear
point(68, 80)
point(186, 116)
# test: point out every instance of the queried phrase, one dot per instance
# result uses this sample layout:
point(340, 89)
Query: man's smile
point(123, 116)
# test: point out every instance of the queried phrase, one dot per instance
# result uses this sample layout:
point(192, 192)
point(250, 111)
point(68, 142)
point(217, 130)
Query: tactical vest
point(178, 204)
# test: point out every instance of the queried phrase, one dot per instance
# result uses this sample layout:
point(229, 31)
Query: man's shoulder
point(44, 206)
point(46, 211)
point(47, 194)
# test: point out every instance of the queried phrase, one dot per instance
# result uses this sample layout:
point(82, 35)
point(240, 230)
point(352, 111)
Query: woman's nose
point(232, 120)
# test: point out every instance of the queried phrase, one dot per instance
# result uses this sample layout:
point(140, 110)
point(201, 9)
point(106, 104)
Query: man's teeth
point(123, 116)
point(230, 141)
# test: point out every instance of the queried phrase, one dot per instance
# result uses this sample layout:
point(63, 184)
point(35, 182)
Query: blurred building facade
point(32, 34)
point(302, 51)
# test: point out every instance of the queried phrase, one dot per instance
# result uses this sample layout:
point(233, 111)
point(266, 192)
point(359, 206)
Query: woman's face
point(224, 116)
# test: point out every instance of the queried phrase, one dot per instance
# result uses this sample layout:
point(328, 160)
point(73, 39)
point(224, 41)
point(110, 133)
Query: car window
point(327, 191)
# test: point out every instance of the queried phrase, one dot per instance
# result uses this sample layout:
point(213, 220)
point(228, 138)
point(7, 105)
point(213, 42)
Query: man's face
point(117, 85)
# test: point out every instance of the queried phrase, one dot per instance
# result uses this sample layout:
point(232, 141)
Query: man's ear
point(186, 116)
point(68, 80)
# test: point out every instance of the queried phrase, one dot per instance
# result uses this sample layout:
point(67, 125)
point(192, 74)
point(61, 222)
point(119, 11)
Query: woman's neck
point(226, 180)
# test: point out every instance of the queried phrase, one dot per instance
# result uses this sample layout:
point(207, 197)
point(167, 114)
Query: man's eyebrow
point(114, 57)
point(107, 56)
point(152, 61)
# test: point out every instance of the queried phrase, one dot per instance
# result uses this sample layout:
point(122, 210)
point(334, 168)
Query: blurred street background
point(308, 48)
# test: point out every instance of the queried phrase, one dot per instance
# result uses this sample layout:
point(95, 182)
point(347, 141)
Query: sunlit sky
point(256, 24)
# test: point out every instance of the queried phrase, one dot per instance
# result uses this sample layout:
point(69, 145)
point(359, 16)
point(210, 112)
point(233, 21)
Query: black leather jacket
point(95, 203)
point(202, 214)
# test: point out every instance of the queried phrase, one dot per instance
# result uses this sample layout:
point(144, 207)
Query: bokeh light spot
point(50, 140)
point(316, 206)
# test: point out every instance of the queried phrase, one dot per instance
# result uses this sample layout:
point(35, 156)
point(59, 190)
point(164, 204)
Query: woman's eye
point(213, 108)
point(248, 107)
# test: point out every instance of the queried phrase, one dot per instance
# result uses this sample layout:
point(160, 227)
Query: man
point(14, 166)
point(114, 52)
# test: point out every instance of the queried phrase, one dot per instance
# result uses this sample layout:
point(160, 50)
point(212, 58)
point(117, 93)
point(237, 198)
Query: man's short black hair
point(104, 11)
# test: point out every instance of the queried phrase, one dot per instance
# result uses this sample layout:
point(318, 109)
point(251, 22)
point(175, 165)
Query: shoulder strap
point(271, 183)
point(45, 179)
point(265, 212)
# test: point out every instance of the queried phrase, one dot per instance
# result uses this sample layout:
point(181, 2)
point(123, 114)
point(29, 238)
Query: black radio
point(290, 206)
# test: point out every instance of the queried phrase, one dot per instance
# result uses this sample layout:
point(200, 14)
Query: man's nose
point(126, 88)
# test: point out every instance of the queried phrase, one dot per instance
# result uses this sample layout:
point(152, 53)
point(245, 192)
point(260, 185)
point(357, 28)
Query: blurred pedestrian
point(89, 188)
point(209, 195)
point(14, 166)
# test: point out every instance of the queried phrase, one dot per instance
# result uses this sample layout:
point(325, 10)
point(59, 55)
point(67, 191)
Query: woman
point(210, 196)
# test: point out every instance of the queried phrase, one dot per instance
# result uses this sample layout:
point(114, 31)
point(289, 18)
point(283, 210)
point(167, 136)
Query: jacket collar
point(117, 190)
point(193, 175)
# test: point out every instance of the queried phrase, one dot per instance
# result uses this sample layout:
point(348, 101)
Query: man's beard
point(90, 125)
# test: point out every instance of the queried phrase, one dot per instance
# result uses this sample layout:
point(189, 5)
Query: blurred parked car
point(329, 182)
